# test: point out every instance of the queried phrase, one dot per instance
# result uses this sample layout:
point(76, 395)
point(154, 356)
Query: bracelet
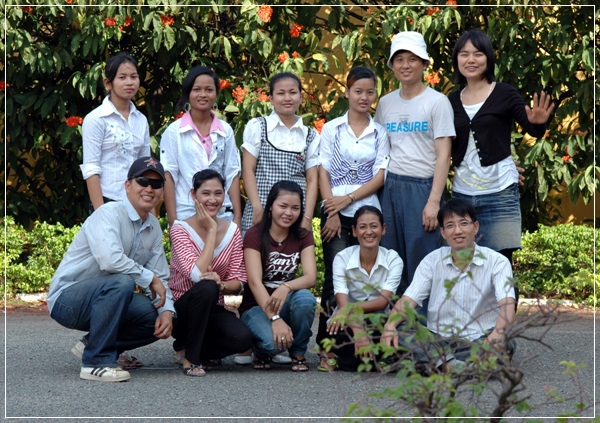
point(276, 317)
point(352, 197)
point(288, 285)
point(306, 217)
point(241, 288)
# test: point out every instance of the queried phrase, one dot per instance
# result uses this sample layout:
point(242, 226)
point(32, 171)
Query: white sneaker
point(281, 359)
point(104, 374)
point(77, 350)
point(243, 360)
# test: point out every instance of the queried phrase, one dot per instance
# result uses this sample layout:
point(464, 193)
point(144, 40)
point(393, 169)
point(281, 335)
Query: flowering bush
point(55, 56)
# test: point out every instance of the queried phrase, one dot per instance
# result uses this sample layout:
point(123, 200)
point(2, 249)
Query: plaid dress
point(274, 165)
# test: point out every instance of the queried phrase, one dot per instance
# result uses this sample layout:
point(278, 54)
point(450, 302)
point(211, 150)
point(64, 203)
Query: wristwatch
point(276, 317)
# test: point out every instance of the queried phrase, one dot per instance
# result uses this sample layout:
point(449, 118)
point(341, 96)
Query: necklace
point(278, 242)
point(488, 94)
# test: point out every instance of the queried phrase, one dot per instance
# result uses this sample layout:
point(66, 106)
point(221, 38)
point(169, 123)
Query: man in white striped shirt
point(469, 286)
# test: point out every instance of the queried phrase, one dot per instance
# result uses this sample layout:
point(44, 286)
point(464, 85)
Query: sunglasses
point(154, 183)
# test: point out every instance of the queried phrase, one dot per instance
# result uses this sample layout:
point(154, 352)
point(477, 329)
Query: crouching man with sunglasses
point(118, 247)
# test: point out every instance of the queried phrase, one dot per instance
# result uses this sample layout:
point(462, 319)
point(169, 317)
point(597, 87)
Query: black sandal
point(261, 362)
point(299, 364)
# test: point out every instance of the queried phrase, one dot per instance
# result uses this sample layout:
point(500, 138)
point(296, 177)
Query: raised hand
point(542, 108)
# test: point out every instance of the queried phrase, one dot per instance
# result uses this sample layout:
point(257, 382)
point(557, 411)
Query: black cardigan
point(491, 126)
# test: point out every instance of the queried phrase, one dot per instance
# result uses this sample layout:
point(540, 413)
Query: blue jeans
point(117, 319)
point(402, 202)
point(330, 250)
point(298, 312)
point(499, 217)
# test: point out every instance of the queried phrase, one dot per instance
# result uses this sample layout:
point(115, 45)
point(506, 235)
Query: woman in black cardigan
point(484, 112)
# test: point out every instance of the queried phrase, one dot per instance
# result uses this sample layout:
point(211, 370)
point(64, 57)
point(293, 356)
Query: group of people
point(382, 182)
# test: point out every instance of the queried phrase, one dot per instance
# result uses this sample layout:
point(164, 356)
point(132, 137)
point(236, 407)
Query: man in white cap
point(118, 247)
point(420, 124)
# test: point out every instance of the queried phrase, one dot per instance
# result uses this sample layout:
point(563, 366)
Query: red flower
point(452, 3)
point(121, 28)
point(319, 124)
point(295, 55)
point(283, 57)
point(567, 158)
point(368, 10)
point(69, 1)
point(74, 121)
point(128, 20)
point(167, 20)
point(261, 95)
point(27, 9)
point(109, 22)
point(239, 93)
point(410, 21)
point(431, 11)
point(223, 83)
point(295, 31)
point(265, 12)
point(3, 85)
point(180, 115)
point(311, 96)
point(433, 78)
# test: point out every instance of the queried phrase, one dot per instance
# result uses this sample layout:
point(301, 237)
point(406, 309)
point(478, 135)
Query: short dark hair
point(482, 43)
point(406, 51)
point(205, 175)
point(457, 207)
point(113, 63)
point(358, 73)
point(190, 78)
point(367, 209)
point(266, 221)
point(283, 75)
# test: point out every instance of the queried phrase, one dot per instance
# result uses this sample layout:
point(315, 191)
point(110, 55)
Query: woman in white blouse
point(353, 156)
point(364, 276)
point(115, 133)
point(197, 141)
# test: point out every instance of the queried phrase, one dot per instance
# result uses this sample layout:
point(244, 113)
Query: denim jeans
point(402, 202)
point(298, 312)
point(330, 250)
point(499, 217)
point(117, 319)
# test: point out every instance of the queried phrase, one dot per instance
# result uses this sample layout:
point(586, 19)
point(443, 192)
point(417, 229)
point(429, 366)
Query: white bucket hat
point(411, 41)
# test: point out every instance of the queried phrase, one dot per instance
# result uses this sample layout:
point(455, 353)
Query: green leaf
point(227, 47)
point(169, 35)
point(157, 39)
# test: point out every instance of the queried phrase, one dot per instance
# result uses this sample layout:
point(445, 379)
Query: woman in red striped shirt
point(206, 263)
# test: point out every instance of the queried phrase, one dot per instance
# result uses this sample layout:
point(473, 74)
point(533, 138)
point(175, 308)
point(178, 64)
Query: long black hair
point(265, 224)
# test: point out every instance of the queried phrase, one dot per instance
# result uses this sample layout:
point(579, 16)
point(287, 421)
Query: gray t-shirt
point(413, 125)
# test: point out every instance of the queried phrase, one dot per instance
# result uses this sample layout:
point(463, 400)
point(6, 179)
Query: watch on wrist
point(276, 317)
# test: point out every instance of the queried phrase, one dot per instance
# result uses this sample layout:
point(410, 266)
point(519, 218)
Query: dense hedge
point(556, 261)
point(33, 256)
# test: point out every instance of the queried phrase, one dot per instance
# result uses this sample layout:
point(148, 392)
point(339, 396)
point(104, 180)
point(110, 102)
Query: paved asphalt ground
point(42, 380)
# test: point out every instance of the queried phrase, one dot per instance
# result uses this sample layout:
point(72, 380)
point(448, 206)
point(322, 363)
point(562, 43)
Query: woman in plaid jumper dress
point(279, 147)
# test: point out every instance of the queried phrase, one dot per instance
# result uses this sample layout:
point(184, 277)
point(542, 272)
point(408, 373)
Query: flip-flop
point(128, 362)
point(330, 364)
point(189, 371)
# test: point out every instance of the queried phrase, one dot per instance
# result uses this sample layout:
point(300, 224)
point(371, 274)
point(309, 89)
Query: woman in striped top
point(206, 263)
point(353, 156)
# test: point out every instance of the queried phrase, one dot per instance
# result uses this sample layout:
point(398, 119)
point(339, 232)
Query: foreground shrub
point(35, 255)
point(557, 261)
